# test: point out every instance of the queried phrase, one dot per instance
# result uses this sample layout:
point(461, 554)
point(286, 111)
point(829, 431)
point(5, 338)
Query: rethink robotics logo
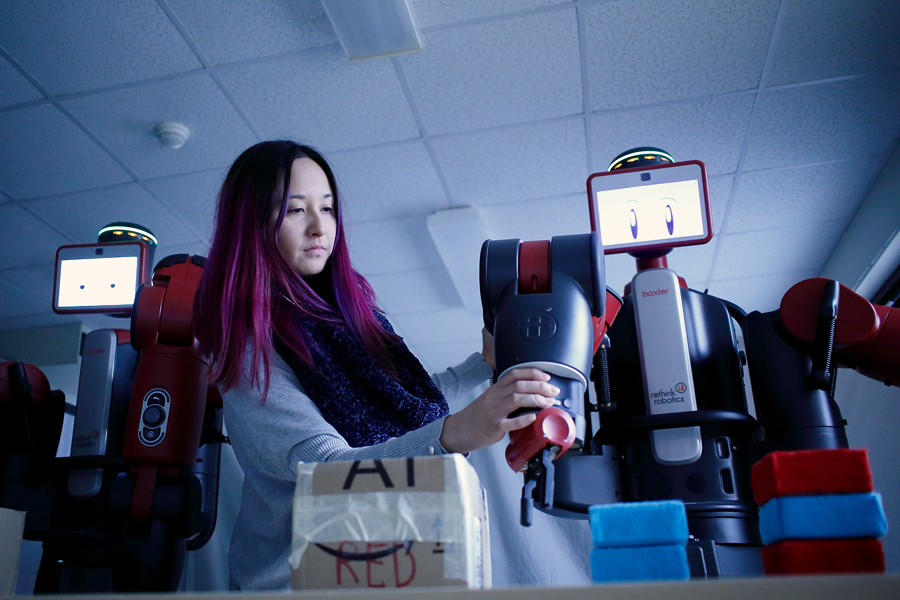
point(84, 441)
point(670, 396)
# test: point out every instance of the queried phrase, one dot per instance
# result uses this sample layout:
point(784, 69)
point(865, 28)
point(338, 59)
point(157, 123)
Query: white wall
point(872, 412)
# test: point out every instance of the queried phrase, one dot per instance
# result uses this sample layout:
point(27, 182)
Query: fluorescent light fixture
point(373, 28)
point(458, 235)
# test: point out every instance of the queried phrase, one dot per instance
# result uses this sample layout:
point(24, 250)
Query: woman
point(309, 368)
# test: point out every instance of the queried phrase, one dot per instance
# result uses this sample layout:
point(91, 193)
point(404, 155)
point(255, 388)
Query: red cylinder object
point(878, 356)
point(552, 427)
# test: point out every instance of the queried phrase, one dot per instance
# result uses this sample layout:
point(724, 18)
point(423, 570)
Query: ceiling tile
point(192, 197)
point(15, 301)
point(38, 281)
point(165, 249)
point(817, 34)
point(777, 198)
point(391, 246)
point(514, 163)
point(14, 88)
point(67, 45)
point(648, 52)
point(124, 120)
point(25, 241)
point(69, 160)
point(720, 190)
point(801, 247)
point(830, 121)
point(441, 12)
point(694, 263)
point(228, 31)
point(497, 73)
point(758, 293)
point(82, 215)
point(709, 129)
point(320, 97)
point(414, 291)
point(530, 220)
point(388, 182)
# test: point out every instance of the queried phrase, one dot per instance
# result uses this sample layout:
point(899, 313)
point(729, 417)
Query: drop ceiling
point(512, 104)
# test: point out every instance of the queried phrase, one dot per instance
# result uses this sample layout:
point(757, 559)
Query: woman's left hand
point(486, 420)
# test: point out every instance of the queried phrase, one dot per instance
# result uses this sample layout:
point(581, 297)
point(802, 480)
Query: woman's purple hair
point(248, 292)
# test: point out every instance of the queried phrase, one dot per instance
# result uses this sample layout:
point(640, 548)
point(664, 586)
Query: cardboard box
point(12, 527)
point(409, 522)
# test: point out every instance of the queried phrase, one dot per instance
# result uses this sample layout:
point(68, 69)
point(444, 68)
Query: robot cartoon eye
point(633, 219)
point(670, 220)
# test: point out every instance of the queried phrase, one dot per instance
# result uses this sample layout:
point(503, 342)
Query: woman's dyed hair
point(247, 289)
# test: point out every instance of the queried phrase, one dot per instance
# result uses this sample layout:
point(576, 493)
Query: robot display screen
point(99, 277)
point(653, 207)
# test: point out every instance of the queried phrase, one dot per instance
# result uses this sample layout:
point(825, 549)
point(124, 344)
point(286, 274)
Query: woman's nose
point(315, 227)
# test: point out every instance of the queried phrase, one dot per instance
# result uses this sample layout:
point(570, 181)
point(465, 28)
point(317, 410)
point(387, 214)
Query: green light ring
point(141, 232)
point(623, 159)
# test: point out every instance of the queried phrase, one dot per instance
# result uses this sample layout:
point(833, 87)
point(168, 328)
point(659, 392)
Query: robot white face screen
point(99, 277)
point(657, 208)
point(94, 282)
point(651, 213)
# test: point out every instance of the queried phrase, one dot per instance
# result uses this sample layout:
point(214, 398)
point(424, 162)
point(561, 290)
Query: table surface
point(832, 587)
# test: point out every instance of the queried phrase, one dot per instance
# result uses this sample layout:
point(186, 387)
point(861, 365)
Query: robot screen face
point(97, 282)
point(99, 277)
point(644, 209)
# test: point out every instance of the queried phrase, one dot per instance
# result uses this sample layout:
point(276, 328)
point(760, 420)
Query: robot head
point(121, 231)
point(644, 156)
point(646, 204)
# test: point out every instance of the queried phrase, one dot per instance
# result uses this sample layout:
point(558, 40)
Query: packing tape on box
point(418, 516)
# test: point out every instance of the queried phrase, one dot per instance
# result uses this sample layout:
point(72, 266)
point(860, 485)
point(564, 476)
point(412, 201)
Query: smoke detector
point(171, 134)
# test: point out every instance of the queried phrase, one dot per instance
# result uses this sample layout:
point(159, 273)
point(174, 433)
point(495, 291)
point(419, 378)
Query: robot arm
point(168, 400)
point(119, 519)
point(545, 303)
point(837, 320)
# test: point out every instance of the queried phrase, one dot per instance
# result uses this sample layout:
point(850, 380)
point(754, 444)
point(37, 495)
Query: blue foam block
point(640, 563)
point(638, 524)
point(832, 516)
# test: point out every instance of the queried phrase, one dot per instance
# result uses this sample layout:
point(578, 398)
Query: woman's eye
point(296, 210)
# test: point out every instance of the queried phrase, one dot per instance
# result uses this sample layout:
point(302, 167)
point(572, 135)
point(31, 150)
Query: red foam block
point(799, 557)
point(811, 472)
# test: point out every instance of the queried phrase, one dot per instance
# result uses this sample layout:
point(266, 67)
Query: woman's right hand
point(486, 420)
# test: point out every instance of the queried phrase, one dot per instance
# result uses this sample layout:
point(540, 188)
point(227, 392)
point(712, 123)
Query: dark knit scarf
point(356, 396)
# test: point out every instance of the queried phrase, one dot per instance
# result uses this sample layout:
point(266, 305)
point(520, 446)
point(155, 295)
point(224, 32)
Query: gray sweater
point(270, 439)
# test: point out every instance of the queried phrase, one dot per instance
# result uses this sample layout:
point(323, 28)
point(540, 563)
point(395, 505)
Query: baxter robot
point(140, 485)
point(673, 419)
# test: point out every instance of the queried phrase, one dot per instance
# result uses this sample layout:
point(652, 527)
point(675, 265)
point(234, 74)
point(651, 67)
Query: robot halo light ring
point(640, 157)
point(130, 231)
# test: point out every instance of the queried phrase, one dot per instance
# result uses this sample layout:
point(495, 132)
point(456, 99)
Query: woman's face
point(306, 237)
